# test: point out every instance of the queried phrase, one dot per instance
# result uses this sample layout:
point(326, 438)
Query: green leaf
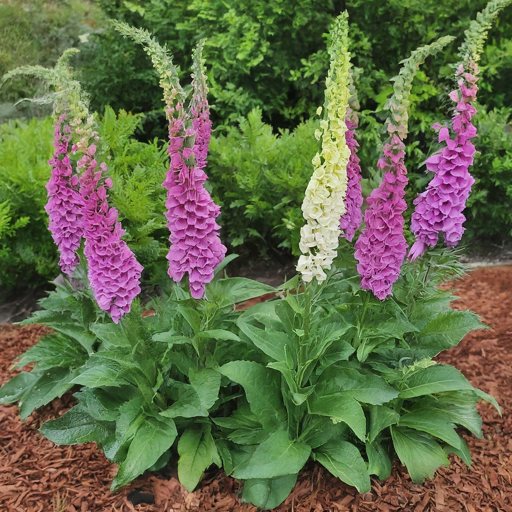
point(207, 385)
point(365, 388)
point(111, 335)
point(218, 334)
point(340, 407)
point(270, 342)
point(436, 424)
point(248, 436)
point(457, 406)
point(447, 329)
point(381, 417)
point(197, 452)
point(191, 316)
point(76, 332)
point(51, 384)
point(172, 339)
point(188, 404)
point(344, 461)
point(419, 452)
point(239, 289)
point(153, 438)
point(277, 456)
point(263, 390)
point(268, 493)
point(339, 351)
point(379, 462)
point(488, 398)
point(77, 426)
point(14, 389)
point(435, 379)
point(99, 374)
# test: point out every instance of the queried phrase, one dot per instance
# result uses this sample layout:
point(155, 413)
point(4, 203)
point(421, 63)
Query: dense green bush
point(37, 32)
point(489, 209)
point(27, 252)
point(259, 179)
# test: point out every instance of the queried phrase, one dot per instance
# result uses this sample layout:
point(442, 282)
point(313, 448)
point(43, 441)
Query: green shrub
point(37, 32)
point(259, 179)
point(28, 255)
point(488, 212)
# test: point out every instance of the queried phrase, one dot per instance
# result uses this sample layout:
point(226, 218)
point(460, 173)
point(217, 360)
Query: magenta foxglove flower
point(381, 247)
point(114, 273)
point(65, 204)
point(196, 248)
point(439, 208)
point(351, 220)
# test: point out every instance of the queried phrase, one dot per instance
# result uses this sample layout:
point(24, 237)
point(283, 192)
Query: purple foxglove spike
point(196, 248)
point(351, 220)
point(65, 204)
point(439, 208)
point(113, 271)
point(381, 247)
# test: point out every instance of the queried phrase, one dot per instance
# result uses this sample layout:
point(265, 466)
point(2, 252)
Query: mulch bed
point(38, 476)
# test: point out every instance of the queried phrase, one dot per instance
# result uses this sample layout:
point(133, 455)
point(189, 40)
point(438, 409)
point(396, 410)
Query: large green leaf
point(379, 462)
point(111, 335)
point(51, 384)
point(435, 379)
point(344, 461)
point(77, 426)
point(270, 342)
point(206, 384)
point(268, 493)
point(239, 289)
point(277, 456)
point(100, 373)
point(52, 351)
point(153, 438)
point(197, 452)
point(381, 417)
point(447, 329)
point(263, 390)
point(419, 452)
point(457, 406)
point(14, 389)
point(340, 407)
point(76, 332)
point(437, 425)
point(188, 404)
point(365, 388)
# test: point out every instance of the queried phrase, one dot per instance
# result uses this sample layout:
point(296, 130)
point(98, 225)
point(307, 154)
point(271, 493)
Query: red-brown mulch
point(37, 476)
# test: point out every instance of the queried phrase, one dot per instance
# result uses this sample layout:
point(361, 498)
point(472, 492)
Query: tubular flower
point(114, 273)
point(381, 247)
point(196, 248)
point(351, 220)
point(64, 205)
point(324, 199)
point(439, 208)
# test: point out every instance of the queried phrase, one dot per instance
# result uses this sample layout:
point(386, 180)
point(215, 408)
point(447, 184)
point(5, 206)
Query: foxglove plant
point(64, 201)
point(77, 204)
point(381, 247)
point(324, 200)
point(196, 248)
point(439, 208)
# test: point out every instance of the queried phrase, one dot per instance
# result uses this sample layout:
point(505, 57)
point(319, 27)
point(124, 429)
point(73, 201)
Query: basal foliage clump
point(338, 367)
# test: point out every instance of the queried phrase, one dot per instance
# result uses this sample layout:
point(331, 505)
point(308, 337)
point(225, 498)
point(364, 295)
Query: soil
point(38, 476)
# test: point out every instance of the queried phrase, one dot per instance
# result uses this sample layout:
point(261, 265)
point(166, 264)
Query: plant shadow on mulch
point(38, 476)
